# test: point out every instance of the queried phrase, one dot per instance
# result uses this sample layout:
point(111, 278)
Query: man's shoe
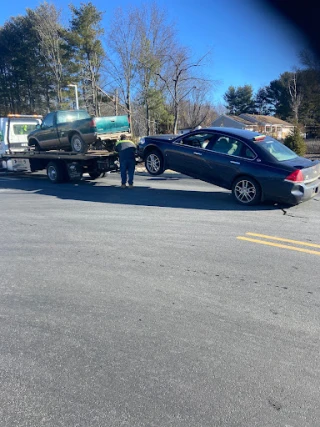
point(131, 186)
point(123, 186)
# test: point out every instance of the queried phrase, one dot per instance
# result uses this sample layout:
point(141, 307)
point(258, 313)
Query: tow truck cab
point(14, 130)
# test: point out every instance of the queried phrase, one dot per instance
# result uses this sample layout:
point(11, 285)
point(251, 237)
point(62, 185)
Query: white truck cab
point(14, 130)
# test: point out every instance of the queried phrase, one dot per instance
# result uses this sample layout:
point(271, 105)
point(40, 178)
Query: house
point(230, 121)
point(269, 125)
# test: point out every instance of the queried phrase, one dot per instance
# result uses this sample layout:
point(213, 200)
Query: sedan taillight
point(296, 176)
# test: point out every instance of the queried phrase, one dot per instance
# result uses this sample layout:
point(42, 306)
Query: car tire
point(56, 172)
point(246, 191)
point(78, 145)
point(94, 175)
point(154, 163)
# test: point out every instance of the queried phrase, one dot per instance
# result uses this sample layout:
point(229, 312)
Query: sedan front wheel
point(246, 191)
point(154, 163)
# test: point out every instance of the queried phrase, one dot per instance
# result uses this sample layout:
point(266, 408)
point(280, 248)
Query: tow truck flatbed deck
point(65, 155)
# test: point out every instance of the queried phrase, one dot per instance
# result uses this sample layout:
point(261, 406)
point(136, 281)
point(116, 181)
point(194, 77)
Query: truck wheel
point(154, 163)
point(56, 172)
point(94, 175)
point(78, 145)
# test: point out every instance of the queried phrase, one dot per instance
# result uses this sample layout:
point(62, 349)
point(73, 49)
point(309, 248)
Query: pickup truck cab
point(68, 130)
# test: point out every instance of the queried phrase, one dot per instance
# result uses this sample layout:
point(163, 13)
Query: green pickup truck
point(69, 130)
point(77, 131)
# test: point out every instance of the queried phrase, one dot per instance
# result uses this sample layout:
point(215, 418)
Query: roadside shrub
point(296, 142)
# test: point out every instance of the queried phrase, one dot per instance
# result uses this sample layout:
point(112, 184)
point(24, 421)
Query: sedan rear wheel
point(154, 163)
point(246, 191)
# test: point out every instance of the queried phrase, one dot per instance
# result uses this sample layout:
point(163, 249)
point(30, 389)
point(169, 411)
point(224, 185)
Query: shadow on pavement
point(93, 191)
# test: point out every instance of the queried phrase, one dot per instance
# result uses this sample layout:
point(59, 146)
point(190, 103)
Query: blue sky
point(250, 44)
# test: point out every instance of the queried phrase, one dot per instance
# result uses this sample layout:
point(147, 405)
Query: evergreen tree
point(296, 142)
point(262, 102)
point(84, 39)
point(240, 100)
point(23, 81)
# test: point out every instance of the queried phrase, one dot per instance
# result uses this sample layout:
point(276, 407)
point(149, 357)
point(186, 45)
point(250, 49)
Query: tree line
point(135, 66)
point(293, 97)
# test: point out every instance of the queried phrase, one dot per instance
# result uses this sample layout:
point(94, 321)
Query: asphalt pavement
point(163, 305)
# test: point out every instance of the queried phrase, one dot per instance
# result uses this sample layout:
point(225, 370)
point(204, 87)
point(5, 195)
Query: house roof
point(240, 120)
point(269, 120)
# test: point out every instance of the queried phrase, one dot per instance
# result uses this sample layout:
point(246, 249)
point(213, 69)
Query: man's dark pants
point(127, 168)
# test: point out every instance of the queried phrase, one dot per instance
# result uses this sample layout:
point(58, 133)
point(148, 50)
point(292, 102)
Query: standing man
point(127, 151)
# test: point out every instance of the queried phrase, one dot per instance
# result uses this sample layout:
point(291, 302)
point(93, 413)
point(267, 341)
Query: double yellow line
point(279, 245)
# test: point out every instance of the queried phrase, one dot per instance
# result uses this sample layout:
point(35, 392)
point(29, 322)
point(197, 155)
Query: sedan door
point(230, 157)
point(189, 156)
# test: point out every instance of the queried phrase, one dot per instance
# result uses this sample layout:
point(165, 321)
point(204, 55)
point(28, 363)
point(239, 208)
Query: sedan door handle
point(235, 163)
point(197, 154)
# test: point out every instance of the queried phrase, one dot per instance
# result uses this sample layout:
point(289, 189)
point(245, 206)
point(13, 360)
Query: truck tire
point(37, 147)
point(56, 172)
point(78, 145)
point(94, 175)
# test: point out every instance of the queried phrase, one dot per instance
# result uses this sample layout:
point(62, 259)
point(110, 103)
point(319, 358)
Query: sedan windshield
point(278, 150)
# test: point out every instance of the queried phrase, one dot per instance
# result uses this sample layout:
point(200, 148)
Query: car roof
point(244, 133)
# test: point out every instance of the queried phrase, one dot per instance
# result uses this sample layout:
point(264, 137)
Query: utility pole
point(116, 102)
point(76, 94)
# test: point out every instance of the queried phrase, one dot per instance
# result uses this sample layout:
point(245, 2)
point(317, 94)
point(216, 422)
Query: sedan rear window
point(278, 150)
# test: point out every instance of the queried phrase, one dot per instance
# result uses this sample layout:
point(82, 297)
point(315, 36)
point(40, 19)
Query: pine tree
point(296, 142)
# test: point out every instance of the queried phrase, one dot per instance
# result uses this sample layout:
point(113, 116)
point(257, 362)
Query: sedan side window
point(227, 145)
point(248, 154)
point(233, 147)
point(198, 140)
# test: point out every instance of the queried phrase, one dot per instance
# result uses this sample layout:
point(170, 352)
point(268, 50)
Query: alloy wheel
point(245, 191)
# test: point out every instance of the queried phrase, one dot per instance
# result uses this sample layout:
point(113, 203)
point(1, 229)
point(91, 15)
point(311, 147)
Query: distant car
point(253, 166)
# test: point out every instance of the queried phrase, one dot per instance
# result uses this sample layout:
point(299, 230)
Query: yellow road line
point(296, 242)
point(278, 245)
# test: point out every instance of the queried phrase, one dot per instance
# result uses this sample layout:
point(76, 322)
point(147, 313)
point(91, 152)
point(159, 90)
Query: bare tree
point(295, 94)
point(181, 79)
point(121, 64)
point(46, 21)
point(156, 36)
point(196, 111)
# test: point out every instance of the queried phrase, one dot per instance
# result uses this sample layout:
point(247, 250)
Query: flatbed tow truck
point(60, 166)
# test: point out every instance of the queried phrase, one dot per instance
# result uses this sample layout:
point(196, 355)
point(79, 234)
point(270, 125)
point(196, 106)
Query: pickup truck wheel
point(154, 163)
point(56, 172)
point(94, 175)
point(78, 145)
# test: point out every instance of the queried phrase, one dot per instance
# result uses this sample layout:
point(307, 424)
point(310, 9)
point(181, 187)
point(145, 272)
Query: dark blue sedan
point(253, 166)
